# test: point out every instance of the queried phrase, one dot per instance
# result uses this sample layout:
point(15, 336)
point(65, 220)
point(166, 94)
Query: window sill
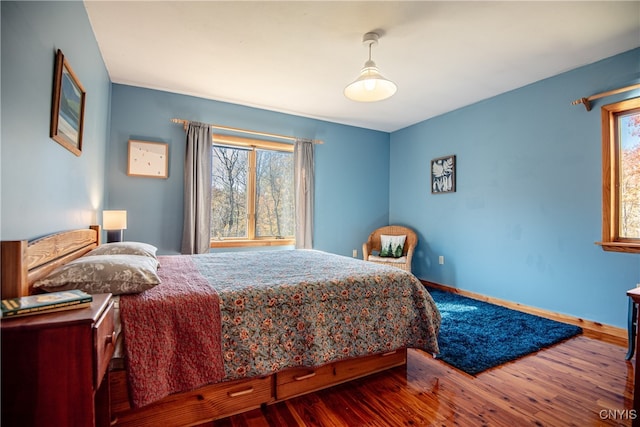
point(251, 243)
point(627, 247)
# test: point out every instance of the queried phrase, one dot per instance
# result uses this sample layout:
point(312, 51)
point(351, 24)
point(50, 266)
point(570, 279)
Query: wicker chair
point(373, 244)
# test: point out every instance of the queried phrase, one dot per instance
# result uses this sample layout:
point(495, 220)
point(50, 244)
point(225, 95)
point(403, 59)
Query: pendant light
point(370, 86)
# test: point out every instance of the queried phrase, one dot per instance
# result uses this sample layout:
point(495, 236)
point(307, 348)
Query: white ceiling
point(296, 57)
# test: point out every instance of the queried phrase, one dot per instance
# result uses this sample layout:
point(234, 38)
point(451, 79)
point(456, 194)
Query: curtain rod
point(184, 124)
point(587, 101)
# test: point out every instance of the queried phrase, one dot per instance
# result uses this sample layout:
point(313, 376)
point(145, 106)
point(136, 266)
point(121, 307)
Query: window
point(252, 198)
point(621, 176)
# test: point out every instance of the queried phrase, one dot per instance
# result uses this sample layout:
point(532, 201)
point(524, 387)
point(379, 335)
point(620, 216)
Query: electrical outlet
point(355, 253)
point(441, 260)
point(637, 285)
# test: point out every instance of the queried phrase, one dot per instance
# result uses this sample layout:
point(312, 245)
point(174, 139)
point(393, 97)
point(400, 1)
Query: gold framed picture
point(148, 159)
point(67, 110)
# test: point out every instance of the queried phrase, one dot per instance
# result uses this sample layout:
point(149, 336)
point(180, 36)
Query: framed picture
point(67, 110)
point(443, 174)
point(150, 159)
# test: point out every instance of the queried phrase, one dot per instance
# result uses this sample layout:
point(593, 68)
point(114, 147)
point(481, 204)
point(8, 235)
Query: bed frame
point(24, 262)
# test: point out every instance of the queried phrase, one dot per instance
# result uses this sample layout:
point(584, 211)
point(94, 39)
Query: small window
point(252, 198)
point(621, 176)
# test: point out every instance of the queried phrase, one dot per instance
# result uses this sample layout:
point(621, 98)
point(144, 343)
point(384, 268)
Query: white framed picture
point(149, 159)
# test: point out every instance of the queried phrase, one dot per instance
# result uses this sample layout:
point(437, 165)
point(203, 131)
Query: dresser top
point(60, 318)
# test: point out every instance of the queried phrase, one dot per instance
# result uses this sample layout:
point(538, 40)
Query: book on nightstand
point(45, 303)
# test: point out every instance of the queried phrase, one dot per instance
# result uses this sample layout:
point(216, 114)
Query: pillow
point(125, 248)
point(392, 246)
point(117, 274)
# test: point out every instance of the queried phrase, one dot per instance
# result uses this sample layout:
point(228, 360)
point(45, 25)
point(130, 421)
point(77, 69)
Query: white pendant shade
point(370, 86)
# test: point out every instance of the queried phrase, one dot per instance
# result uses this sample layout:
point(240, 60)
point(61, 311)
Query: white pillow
point(392, 246)
point(125, 248)
point(116, 274)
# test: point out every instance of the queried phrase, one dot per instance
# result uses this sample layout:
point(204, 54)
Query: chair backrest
point(392, 230)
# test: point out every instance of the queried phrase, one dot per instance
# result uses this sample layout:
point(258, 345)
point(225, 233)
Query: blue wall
point(521, 226)
point(527, 211)
point(44, 186)
point(352, 167)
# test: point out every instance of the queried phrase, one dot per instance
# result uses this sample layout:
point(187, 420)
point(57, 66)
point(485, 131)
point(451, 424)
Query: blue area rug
point(476, 336)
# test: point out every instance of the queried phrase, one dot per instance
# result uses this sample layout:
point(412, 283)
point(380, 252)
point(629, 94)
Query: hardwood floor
point(580, 382)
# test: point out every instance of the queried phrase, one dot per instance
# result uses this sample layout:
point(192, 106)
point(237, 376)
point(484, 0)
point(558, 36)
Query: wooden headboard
point(24, 262)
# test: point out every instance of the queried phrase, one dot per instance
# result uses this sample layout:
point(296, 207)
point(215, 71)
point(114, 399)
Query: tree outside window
point(229, 193)
point(629, 128)
point(274, 194)
point(621, 176)
point(252, 198)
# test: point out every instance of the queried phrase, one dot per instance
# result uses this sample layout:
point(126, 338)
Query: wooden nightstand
point(634, 294)
point(54, 366)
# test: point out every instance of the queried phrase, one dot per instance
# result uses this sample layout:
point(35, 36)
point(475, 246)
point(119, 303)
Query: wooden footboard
point(227, 398)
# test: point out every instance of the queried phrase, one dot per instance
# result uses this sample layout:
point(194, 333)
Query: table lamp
point(114, 222)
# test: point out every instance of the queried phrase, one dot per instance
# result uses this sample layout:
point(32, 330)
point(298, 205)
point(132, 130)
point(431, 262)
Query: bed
point(286, 323)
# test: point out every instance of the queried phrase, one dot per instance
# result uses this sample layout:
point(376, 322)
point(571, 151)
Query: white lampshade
point(371, 86)
point(114, 220)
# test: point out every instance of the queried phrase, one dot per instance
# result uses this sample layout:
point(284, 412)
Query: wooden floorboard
point(580, 382)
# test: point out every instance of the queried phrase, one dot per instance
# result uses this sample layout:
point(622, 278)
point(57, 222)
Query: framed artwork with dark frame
point(67, 110)
point(443, 174)
point(149, 159)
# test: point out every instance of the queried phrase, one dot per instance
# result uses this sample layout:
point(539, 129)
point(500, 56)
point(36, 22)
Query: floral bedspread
point(289, 308)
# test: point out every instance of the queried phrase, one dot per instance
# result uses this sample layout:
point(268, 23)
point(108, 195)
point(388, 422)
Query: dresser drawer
point(296, 381)
point(354, 368)
point(190, 408)
point(236, 397)
point(104, 337)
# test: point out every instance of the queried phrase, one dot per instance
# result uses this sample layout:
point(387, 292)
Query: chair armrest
point(410, 250)
point(365, 251)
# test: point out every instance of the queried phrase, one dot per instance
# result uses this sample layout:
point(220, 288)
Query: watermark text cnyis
point(618, 414)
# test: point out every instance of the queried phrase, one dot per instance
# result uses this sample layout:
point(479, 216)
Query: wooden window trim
point(236, 141)
point(248, 143)
point(611, 240)
point(244, 243)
